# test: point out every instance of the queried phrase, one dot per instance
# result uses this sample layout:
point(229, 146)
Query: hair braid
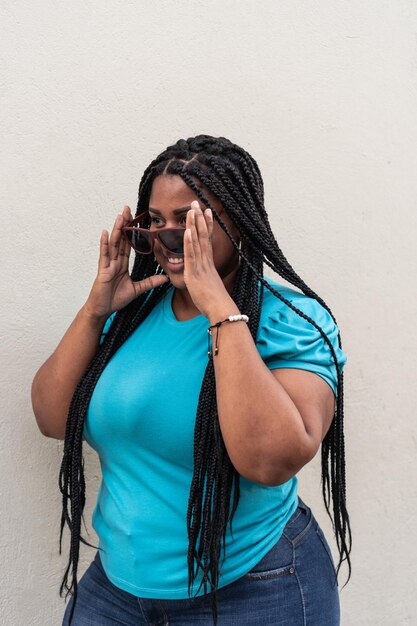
point(233, 176)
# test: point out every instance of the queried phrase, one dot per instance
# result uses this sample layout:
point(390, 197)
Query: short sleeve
point(107, 326)
point(285, 339)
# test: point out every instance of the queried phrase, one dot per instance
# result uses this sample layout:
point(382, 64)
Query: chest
point(147, 395)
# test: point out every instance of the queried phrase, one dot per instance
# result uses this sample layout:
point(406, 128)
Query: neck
point(183, 305)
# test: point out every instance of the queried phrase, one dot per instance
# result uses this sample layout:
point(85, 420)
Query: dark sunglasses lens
point(173, 240)
point(140, 241)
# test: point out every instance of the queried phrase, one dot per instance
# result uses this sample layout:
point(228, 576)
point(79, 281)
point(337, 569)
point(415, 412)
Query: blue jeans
point(294, 584)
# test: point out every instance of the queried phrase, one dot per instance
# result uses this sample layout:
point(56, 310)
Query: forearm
point(262, 428)
point(55, 382)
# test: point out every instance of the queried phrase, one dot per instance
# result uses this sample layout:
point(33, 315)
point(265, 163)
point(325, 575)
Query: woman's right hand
point(113, 288)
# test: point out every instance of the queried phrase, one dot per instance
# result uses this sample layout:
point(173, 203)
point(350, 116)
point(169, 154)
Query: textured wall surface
point(323, 94)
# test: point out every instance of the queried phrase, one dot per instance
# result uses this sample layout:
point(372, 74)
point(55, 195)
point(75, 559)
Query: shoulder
point(275, 307)
point(287, 339)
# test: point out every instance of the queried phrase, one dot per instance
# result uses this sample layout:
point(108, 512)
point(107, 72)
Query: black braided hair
point(233, 176)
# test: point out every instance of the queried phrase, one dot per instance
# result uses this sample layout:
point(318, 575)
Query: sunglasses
point(142, 239)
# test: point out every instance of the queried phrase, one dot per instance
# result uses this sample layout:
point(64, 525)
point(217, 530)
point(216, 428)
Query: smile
point(177, 261)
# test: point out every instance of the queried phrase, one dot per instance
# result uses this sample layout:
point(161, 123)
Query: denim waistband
point(303, 505)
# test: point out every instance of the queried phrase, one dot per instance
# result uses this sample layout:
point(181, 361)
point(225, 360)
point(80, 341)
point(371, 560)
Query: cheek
point(157, 251)
point(223, 250)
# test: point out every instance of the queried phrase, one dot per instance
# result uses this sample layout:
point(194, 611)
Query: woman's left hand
point(201, 277)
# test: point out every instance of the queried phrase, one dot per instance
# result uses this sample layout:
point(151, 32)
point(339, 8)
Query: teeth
point(176, 260)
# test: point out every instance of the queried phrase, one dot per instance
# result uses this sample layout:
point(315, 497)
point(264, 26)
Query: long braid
point(71, 478)
point(338, 482)
point(232, 175)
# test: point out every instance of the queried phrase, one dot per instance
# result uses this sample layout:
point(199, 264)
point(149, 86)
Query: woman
point(198, 516)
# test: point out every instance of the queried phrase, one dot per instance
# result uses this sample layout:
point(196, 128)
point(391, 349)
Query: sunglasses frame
point(152, 233)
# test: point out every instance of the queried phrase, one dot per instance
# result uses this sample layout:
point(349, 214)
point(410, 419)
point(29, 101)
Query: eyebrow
point(175, 211)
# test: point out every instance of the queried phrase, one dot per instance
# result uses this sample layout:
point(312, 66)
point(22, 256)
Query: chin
point(176, 279)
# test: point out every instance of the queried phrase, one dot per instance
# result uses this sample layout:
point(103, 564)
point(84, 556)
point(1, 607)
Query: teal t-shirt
point(141, 420)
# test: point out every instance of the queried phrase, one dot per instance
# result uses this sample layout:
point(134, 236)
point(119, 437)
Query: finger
point(193, 235)
point(189, 256)
point(149, 283)
point(206, 240)
point(202, 232)
point(124, 243)
point(208, 214)
point(126, 254)
point(115, 237)
point(104, 259)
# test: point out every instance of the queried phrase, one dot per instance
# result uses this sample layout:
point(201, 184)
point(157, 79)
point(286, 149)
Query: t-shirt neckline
point(170, 316)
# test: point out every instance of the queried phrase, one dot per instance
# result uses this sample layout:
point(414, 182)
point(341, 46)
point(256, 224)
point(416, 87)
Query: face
point(169, 202)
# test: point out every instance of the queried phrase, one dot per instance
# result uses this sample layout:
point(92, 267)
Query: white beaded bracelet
point(230, 318)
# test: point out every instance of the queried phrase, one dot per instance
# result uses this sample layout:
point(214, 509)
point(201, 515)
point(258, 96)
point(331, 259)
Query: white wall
point(323, 94)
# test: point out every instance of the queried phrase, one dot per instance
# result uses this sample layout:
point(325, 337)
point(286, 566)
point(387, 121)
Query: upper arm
point(314, 399)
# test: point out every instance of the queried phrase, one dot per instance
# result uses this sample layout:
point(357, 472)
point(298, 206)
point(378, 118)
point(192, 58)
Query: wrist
point(221, 310)
point(94, 318)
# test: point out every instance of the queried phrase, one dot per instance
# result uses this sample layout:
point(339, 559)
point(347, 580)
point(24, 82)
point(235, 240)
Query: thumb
point(149, 283)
